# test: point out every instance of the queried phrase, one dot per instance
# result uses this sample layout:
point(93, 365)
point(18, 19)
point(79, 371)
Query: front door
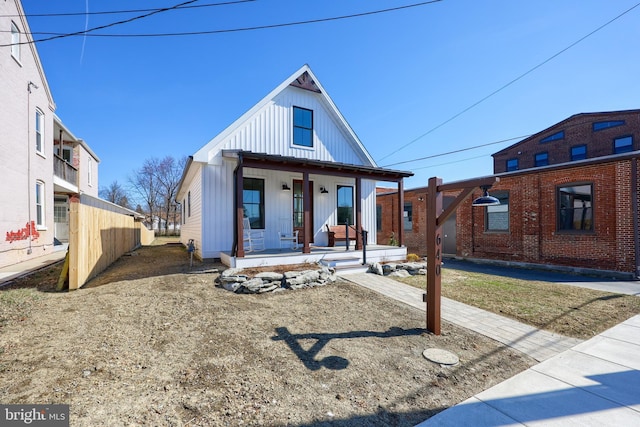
point(298, 209)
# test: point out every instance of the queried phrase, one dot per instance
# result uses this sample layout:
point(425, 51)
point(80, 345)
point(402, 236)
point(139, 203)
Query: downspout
point(634, 212)
point(29, 226)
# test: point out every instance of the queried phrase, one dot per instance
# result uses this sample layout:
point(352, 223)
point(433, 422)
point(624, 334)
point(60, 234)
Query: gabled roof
point(564, 124)
point(303, 78)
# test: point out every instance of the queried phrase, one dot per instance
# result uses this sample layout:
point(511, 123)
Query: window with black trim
point(302, 127)
point(497, 217)
point(578, 152)
point(378, 217)
point(345, 204)
point(575, 208)
point(15, 41)
point(512, 165)
point(606, 125)
point(253, 201)
point(555, 137)
point(623, 144)
point(542, 159)
point(408, 216)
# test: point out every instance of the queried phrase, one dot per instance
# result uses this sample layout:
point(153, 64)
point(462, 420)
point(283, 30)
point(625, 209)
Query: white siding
point(269, 130)
point(192, 221)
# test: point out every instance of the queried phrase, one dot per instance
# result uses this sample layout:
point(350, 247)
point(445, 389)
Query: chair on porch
point(286, 235)
point(253, 239)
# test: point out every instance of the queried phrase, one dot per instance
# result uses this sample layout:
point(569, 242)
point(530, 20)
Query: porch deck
point(270, 257)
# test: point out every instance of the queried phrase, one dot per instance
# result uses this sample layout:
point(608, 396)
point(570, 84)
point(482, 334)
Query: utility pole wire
point(475, 104)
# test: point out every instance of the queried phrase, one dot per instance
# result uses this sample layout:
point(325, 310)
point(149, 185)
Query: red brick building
point(579, 213)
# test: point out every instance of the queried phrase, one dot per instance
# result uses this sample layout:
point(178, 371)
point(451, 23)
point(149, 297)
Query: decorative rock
point(376, 268)
point(231, 286)
point(232, 272)
point(388, 268)
point(400, 273)
point(272, 277)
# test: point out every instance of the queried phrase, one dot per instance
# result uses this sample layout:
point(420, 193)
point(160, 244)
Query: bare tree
point(145, 184)
point(115, 193)
point(168, 174)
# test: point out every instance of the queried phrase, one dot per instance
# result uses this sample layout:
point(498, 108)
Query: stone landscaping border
point(236, 280)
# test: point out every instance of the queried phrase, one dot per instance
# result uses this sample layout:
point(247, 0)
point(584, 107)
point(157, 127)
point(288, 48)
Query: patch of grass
point(563, 309)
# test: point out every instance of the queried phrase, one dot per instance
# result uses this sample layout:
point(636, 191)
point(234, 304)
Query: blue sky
point(394, 76)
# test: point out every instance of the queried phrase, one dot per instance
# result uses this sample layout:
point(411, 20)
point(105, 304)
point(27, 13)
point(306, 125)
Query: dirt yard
point(150, 342)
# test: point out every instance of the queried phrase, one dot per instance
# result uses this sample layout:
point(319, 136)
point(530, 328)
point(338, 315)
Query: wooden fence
point(99, 233)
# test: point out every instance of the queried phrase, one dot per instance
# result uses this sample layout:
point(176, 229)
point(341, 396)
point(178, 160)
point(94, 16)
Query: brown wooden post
point(358, 213)
point(434, 255)
point(400, 213)
point(239, 208)
point(306, 201)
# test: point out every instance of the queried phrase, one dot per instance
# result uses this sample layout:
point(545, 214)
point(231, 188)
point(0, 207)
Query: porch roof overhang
point(318, 167)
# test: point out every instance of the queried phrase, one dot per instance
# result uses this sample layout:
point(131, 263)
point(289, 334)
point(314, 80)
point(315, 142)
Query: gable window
point(555, 137)
point(575, 208)
point(345, 204)
point(497, 217)
point(40, 204)
point(378, 217)
point(39, 132)
point(579, 152)
point(408, 216)
point(542, 159)
point(253, 201)
point(512, 165)
point(606, 125)
point(302, 127)
point(15, 41)
point(623, 144)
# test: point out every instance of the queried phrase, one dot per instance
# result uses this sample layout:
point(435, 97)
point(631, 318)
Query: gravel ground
point(150, 342)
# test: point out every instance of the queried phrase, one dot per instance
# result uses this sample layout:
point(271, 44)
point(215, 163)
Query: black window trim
point(293, 114)
point(535, 159)
point(586, 151)
point(593, 209)
point(613, 144)
point(500, 195)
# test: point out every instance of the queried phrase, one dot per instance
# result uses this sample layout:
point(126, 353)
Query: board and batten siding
point(270, 131)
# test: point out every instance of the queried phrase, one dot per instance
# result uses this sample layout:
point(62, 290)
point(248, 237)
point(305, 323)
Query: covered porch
point(310, 222)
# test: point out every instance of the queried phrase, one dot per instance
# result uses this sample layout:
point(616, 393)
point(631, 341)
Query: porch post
point(306, 201)
point(239, 209)
point(358, 213)
point(400, 213)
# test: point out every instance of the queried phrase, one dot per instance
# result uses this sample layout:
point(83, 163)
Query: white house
point(290, 164)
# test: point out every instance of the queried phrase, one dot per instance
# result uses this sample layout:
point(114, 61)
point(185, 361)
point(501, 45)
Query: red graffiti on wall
point(23, 234)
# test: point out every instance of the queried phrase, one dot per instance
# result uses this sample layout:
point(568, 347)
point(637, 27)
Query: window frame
point(606, 124)
point(616, 150)
point(515, 159)
point(378, 217)
point(39, 130)
point(15, 42)
point(250, 185)
point(536, 161)
point(574, 157)
point(560, 228)
point(492, 210)
point(558, 136)
point(294, 141)
point(40, 198)
point(351, 207)
point(407, 220)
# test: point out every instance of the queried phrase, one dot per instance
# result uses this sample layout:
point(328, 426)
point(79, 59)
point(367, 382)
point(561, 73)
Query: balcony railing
point(64, 170)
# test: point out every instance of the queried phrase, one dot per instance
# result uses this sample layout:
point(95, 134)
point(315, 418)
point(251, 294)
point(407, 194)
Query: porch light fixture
point(323, 190)
point(285, 187)
point(485, 199)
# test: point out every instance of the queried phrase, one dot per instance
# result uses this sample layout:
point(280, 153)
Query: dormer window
point(555, 137)
point(302, 127)
point(606, 125)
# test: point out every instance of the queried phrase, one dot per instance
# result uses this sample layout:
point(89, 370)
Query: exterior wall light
point(285, 187)
point(485, 199)
point(323, 190)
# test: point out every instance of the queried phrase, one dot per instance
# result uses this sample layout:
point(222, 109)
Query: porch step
point(345, 266)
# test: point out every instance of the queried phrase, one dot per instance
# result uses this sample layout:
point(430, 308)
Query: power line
point(112, 12)
point(475, 104)
point(232, 30)
point(456, 151)
point(101, 27)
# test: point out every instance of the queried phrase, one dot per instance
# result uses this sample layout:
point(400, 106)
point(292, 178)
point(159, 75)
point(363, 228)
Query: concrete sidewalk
point(11, 272)
point(596, 382)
